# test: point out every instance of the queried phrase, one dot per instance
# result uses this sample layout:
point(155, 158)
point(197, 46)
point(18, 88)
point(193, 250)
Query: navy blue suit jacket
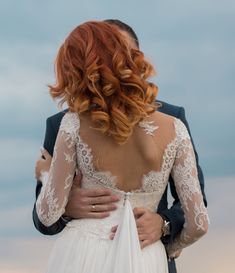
point(174, 214)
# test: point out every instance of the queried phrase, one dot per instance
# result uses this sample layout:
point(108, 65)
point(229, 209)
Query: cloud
point(194, 59)
point(192, 45)
point(211, 254)
point(24, 74)
point(220, 195)
point(17, 222)
point(18, 160)
point(25, 255)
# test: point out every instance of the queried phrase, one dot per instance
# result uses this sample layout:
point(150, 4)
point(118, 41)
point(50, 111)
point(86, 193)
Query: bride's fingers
point(45, 153)
point(77, 180)
point(36, 172)
point(42, 149)
point(38, 167)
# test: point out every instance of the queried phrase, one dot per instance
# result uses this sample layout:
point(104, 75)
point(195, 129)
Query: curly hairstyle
point(98, 73)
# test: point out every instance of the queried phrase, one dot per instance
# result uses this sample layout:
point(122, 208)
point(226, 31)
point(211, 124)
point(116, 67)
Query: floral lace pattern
point(53, 198)
point(148, 127)
point(178, 159)
point(184, 173)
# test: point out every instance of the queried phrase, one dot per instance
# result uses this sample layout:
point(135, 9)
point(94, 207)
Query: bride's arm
point(53, 197)
point(175, 214)
point(187, 185)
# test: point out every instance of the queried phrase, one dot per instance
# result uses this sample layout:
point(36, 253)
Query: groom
point(165, 224)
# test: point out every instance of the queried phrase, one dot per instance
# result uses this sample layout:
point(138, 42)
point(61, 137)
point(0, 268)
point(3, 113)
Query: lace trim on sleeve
point(185, 176)
point(53, 198)
point(70, 124)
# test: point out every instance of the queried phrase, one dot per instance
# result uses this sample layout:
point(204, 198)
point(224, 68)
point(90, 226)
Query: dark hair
point(125, 27)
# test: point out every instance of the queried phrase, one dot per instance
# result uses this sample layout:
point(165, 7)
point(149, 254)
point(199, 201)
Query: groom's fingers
point(102, 208)
point(90, 203)
point(95, 192)
point(97, 215)
point(145, 243)
point(143, 237)
point(138, 212)
point(96, 196)
point(77, 180)
point(114, 229)
point(101, 200)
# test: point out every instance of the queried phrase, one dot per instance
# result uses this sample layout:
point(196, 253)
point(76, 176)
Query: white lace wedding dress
point(84, 245)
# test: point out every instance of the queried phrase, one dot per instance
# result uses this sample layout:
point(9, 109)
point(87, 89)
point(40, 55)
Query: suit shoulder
point(169, 109)
point(57, 117)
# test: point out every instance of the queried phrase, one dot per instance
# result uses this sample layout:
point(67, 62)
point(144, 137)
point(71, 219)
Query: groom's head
point(126, 30)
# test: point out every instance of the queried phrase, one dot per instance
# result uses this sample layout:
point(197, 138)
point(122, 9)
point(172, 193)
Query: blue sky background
point(191, 44)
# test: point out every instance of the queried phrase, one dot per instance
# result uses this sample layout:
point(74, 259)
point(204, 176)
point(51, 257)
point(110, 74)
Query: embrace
point(108, 160)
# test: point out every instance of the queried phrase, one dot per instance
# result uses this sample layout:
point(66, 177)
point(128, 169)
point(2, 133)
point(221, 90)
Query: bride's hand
point(43, 163)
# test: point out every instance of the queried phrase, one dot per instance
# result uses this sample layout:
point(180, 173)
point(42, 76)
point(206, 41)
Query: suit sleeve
point(49, 142)
point(175, 213)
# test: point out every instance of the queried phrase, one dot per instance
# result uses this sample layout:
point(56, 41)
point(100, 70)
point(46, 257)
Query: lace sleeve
point(53, 197)
point(185, 176)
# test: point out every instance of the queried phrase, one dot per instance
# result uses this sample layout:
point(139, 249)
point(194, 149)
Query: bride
point(114, 136)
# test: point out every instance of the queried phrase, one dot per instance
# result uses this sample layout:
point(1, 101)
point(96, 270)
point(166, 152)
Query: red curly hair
point(97, 72)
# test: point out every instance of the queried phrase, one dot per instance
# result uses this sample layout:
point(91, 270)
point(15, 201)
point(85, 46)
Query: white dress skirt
point(84, 247)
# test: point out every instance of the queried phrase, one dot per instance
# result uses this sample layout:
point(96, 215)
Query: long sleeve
point(57, 183)
point(175, 213)
point(187, 185)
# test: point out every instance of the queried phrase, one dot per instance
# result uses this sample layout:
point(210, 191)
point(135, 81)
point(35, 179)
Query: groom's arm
point(175, 214)
point(49, 143)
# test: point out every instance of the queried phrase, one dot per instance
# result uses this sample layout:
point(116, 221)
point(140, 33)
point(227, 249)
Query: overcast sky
point(191, 44)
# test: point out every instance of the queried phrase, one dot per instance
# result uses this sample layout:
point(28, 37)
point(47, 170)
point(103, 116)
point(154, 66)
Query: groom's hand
point(82, 203)
point(149, 226)
point(89, 203)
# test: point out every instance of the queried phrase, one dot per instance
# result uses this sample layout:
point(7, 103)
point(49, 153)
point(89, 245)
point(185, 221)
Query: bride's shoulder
point(70, 123)
point(162, 119)
point(169, 125)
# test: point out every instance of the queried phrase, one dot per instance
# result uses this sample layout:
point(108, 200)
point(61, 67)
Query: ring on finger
point(93, 207)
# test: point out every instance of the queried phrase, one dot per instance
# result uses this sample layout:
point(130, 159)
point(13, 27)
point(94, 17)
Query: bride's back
point(143, 151)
